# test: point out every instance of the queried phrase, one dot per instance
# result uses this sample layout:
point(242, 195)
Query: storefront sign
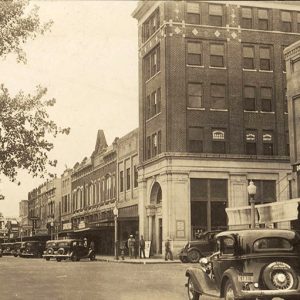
point(81, 225)
point(147, 248)
point(67, 226)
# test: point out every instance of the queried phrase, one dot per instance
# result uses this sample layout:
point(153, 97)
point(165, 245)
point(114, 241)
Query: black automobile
point(74, 249)
point(18, 247)
point(249, 264)
point(194, 250)
point(7, 248)
point(33, 249)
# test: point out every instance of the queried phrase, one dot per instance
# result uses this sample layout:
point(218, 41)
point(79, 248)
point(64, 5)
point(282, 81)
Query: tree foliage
point(25, 125)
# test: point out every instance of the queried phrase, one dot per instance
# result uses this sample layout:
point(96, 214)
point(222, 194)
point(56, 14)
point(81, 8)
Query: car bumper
point(62, 256)
point(26, 254)
point(269, 293)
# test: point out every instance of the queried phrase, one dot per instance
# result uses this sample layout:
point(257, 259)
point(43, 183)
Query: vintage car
point(249, 264)
point(18, 247)
point(194, 250)
point(7, 248)
point(73, 249)
point(33, 249)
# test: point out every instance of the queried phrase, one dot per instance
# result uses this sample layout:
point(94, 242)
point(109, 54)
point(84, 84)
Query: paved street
point(23, 278)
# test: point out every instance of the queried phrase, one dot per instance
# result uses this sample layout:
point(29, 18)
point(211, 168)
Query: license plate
point(245, 278)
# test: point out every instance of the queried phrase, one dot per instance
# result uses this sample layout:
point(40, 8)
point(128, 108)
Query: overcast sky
point(88, 62)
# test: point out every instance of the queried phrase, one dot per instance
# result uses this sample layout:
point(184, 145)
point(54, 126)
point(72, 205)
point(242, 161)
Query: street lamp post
point(252, 191)
point(115, 211)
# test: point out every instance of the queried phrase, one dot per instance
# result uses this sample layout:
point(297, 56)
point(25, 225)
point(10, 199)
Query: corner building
point(212, 112)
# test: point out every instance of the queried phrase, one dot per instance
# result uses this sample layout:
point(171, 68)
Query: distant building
point(25, 223)
point(212, 113)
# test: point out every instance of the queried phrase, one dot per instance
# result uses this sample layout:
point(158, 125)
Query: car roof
point(260, 233)
point(64, 240)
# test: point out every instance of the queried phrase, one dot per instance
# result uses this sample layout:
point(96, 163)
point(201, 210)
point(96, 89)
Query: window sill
point(267, 112)
point(218, 109)
point(265, 71)
point(217, 68)
point(250, 70)
point(195, 66)
point(153, 117)
point(196, 108)
point(251, 111)
point(156, 74)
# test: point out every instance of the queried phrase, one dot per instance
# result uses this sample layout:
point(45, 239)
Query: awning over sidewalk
point(264, 213)
point(128, 212)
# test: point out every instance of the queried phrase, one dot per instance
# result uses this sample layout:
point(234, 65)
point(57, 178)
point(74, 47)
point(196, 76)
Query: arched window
point(156, 194)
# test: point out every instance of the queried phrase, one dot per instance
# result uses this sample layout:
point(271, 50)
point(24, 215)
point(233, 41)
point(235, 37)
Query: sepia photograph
point(149, 150)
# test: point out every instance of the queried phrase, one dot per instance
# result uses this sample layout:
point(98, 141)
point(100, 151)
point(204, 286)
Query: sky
point(89, 64)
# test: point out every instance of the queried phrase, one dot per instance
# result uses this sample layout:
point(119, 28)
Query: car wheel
point(279, 276)
point(47, 258)
point(192, 294)
point(74, 257)
point(92, 256)
point(193, 256)
point(228, 291)
point(58, 259)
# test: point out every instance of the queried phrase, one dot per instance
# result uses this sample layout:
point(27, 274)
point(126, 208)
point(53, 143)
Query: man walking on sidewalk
point(168, 251)
point(131, 244)
point(142, 247)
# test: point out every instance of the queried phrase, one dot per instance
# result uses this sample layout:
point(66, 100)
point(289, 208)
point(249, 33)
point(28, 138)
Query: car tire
point(184, 260)
point(272, 271)
point(92, 257)
point(228, 291)
point(193, 256)
point(58, 259)
point(47, 258)
point(192, 294)
point(74, 257)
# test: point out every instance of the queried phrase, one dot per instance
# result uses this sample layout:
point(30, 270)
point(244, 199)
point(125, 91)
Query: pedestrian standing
point(142, 247)
point(131, 245)
point(168, 251)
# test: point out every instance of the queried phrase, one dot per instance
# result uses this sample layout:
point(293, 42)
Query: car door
point(224, 257)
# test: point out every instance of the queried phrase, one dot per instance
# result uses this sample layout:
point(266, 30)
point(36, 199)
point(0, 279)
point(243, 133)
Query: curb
point(144, 262)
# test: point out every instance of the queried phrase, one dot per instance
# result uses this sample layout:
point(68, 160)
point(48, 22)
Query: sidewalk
point(144, 261)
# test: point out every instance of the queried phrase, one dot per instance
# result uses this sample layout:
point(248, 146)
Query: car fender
point(196, 249)
point(90, 252)
point(201, 280)
point(232, 275)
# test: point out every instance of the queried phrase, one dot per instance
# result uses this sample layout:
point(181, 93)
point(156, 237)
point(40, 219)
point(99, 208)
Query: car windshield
point(29, 244)
point(272, 243)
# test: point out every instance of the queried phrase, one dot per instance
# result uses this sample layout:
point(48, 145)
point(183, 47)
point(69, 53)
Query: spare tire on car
point(279, 276)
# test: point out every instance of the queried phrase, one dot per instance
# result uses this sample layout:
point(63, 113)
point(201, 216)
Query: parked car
point(33, 249)
point(18, 247)
point(249, 264)
point(74, 249)
point(7, 248)
point(203, 246)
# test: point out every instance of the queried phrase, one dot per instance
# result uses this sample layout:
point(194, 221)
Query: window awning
point(128, 212)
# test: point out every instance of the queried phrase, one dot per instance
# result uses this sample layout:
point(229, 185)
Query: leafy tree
point(25, 126)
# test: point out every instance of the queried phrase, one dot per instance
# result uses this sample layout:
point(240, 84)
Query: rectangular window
point(286, 21)
point(249, 98)
point(263, 19)
point(265, 58)
point(215, 15)
point(148, 107)
point(298, 22)
point(121, 180)
point(158, 93)
point(248, 57)
point(218, 96)
point(128, 178)
point(150, 25)
point(159, 142)
point(152, 63)
point(195, 139)
point(153, 60)
point(195, 95)
point(193, 13)
point(153, 104)
point(147, 68)
point(265, 191)
point(266, 99)
point(218, 141)
point(154, 144)
point(268, 143)
point(217, 55)
point(148, 147)
point(194, 54)
point(251, 138)
point(247, 18)
point(135, 179)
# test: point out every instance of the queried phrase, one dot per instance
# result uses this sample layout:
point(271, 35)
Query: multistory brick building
point(212, 112)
